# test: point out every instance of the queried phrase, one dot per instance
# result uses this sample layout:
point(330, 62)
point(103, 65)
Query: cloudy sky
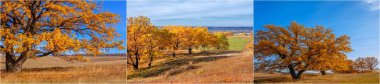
point(194, 12)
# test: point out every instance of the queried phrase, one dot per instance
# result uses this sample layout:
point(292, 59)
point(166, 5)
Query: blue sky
point(117, 7)
point(194, 12)
point(357, 19)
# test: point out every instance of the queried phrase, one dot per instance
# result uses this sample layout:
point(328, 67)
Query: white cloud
point(373, 5)
point(159, 10)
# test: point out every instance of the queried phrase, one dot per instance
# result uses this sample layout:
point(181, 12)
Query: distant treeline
point(228, 29)
point(231, 29)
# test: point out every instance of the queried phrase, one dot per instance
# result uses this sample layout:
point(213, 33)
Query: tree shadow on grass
point(215, 52)
point(273, 80)
point(44, 69)
point(284, 79)
point(49, 69)
point(208, 52)
point(173, 64)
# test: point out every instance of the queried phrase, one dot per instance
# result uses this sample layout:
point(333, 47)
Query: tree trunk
point(323, 72)
point(135, 67)
point(190, 50)
point(13, 65)
point(295, 76)
point(292, 72)
point(299, 74)
point(150, 61)
point(136, 64)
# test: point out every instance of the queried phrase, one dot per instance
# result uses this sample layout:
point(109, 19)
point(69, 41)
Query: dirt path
point(223, 68)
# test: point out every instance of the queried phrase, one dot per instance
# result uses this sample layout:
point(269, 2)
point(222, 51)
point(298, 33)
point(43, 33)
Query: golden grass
point(211, 66)
point(317, 78)
point(202, 68)
point(113, 73)
point(49, 69)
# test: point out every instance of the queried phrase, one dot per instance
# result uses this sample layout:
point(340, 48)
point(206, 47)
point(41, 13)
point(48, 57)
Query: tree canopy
point(299, 48)
point(42, 28)
point(146, 41)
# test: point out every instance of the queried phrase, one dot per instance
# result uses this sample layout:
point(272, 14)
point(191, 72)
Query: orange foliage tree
point(220, 41)
point(145, 41)
point(298, 49)
point(187, 37)
point(41, 28)
point(139, 32)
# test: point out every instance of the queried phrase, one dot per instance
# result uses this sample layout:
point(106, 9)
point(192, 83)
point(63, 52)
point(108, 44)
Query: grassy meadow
point(318, 78)
point(204, 66)
point(237, 42)
point(101, 69)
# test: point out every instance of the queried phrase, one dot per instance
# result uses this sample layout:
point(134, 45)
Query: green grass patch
point(237, 43)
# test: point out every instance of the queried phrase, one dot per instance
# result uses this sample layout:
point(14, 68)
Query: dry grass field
point(202, 67)
point(235, 68)
point(318, 78)
point(49, 69)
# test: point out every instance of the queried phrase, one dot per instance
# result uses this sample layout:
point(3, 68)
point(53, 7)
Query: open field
point(211, 66)
point(237, 42)
point(49, 69)
point(318, 78)
point(228, 67)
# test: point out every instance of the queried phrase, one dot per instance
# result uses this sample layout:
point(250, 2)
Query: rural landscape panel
point(190, 41)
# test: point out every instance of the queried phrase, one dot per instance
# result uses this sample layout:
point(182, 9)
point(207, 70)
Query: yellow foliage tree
point(298, 48)
point(156, 39)
point(175, 37)
point(41, 28)
point(139, 31)
point(145, 41)
point(221, 42)
point(187, 37)
point(332, 56)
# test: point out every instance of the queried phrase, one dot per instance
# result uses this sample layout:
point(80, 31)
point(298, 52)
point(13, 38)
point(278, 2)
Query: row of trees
point(299, 48)
point(363, 64)
point(146, 41)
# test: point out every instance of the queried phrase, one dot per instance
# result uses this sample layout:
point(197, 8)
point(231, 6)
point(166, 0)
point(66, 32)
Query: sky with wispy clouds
point(357, 19)
point(223, 13)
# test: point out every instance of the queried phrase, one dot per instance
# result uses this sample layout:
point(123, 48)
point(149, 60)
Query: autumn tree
point(41, 28)
point(175, 38)
point(192, 38)
point(146, 41)
point(298, 48)
point(360, 64)
point(139, 32)
point(371, 63)
point(220, 42)
point(187, 37)
point(332, 56)
point(363, 64)
point(156, 39)
point(350, 65)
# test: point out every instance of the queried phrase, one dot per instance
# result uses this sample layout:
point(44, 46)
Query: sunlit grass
point(317, 78)
point(111, 73)
point(237, 43)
